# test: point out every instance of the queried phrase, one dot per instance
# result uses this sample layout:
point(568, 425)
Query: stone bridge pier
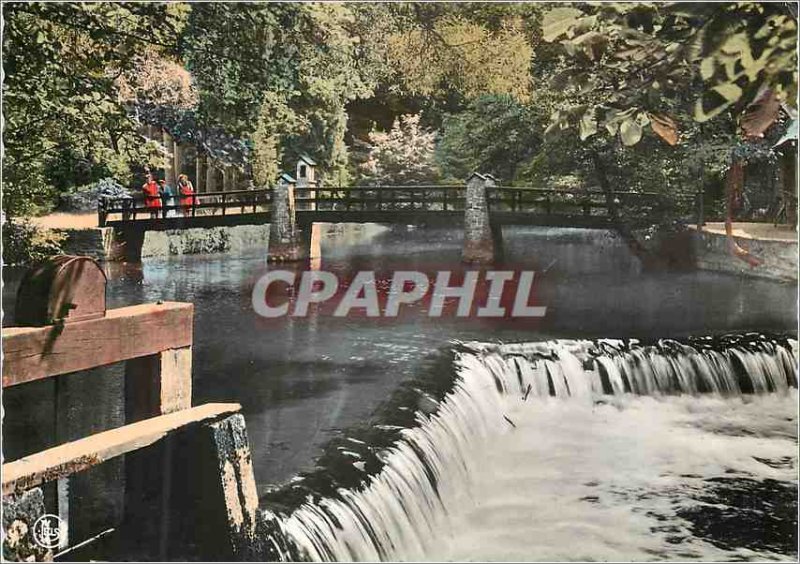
point(482, 238)
point(288, 239)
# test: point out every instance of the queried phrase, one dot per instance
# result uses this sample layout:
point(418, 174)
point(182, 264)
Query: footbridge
point(479, 206)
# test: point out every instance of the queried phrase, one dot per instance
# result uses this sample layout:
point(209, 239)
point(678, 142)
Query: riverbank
point(775, 246)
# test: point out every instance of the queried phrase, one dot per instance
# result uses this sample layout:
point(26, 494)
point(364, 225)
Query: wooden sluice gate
point(187, 485)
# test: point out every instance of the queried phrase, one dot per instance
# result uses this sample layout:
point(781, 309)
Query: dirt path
point(67, 220)
point(765, 231)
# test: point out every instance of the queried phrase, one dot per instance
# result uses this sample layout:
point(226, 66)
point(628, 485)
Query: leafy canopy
point(639, 66)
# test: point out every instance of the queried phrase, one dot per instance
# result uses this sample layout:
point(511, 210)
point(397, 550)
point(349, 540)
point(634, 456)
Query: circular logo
point(48, 530)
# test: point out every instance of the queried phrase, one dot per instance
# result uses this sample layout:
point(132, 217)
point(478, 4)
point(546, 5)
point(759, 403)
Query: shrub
point(84, 198)
point(24, 243)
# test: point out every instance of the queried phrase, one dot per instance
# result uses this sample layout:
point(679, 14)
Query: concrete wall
point(204, 240)
point(780, 257)
point(96, 242)
point(100, 242)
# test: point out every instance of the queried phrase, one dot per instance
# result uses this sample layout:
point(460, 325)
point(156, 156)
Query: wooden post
point(158, 384)
point(216, 461)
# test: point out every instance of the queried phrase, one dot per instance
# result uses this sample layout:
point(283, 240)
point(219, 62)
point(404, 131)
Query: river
point(576, 479)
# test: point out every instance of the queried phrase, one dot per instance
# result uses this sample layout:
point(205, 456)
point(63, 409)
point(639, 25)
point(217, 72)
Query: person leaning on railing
point(186, 192)
point(152, 196)
point(168, 198)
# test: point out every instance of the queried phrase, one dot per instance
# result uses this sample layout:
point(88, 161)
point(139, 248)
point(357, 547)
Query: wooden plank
point(63, 460)
point(33, 353)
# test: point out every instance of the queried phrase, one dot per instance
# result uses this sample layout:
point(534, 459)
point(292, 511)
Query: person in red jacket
point(186, 192)
point(152, 196)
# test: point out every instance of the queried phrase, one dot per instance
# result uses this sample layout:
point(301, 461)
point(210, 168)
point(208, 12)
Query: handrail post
point(101, 212)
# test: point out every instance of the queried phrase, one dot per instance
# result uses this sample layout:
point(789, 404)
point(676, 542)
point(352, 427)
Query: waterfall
point(401, 510)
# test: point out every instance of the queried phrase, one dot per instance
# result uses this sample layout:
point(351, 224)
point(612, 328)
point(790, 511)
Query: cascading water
point(471, 474)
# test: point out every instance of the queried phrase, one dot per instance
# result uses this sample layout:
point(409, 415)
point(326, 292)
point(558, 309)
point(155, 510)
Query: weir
point(402, 504)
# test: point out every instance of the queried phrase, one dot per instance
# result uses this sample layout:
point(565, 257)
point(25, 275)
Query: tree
point(452, 53)
point(403, 155)
point(62, 104)
point(494, 134)
point(302, 57)
point(639, 65)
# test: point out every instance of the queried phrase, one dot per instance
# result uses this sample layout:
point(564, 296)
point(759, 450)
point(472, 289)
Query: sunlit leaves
point(588, 125)
point(456, 54)
point(653, 56)
point(558, 22)
point(630, 131)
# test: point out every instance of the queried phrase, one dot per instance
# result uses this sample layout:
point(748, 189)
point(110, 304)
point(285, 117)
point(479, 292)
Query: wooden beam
point(33, 353)
point(69, 458)
point(158, 384)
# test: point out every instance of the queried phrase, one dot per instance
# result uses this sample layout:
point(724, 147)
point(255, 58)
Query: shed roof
point(308, 160)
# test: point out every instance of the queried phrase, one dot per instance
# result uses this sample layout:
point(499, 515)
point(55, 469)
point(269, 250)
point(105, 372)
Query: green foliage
point(447, 50)
point(630, 66)
point(495, 134)
point(24, 243)
point(305, 59)
point(61, 102)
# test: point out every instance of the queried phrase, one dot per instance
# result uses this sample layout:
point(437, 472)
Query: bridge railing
point(419, 197)
point(397, 198)
point(206, 203)
point(587, 203)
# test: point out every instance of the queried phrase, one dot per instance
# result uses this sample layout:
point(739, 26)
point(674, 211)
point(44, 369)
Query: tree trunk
point(734, 184)
point(211, 176)
point(788, 184)
point(640, 251)
point(178, 159)
point(169, 170)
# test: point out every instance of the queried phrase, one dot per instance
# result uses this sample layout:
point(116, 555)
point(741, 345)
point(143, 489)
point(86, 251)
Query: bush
point(24, 243)
point(84, 198)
